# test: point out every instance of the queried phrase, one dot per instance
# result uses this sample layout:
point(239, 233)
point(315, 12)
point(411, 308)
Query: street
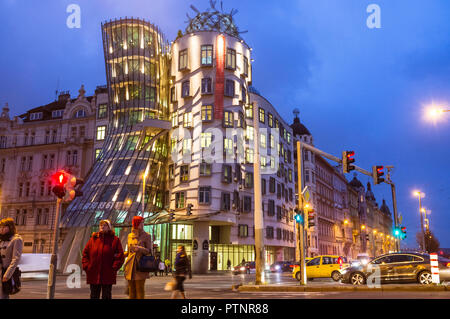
point(219, 286)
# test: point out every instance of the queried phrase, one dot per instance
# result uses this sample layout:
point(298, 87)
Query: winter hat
point(137, 220)
point(106, 221)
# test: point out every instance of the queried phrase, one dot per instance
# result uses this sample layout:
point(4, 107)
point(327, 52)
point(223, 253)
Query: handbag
point(12, 286)
point(147, 263)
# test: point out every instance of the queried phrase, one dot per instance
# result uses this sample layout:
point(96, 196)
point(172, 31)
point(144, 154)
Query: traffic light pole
point(54, 258)
point(394, 201)
point(300, 225)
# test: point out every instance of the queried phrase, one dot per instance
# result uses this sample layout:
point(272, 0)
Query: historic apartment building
point(63, 134)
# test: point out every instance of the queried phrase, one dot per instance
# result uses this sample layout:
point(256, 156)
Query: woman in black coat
point(182, 268)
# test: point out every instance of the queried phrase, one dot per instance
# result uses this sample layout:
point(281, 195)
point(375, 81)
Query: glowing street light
point(434, 113)
point(363, 227)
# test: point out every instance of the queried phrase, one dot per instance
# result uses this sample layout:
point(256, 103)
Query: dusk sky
point(356, 88)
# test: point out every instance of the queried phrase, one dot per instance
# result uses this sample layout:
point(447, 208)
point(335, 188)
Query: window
point(30, 163)
point(73, 132)
point(98, 151)
point(207, 112)
point(270, 120)
point(241, 120)
point(187, 146)
point(57, 113)
point(231, 59)
point(22, 164)
point(228, 119)
point(204, 195)
point(245, 65)
point(205, 169)
point(3, 141)
point(263, 186)
point(206, 54)
point(272, 185)
point(184, 173)
point(54, 134)
point(101, 132)
point(20, 189)
point(289, 137)
point(243, 230)
point(249, 155)
point(187, 119)
point(249, 132)
point(249, 111)
point(206, 86)
point(35, 116)
point(248, 182)
point(225, 201)
point(228, 146)
point(32, 136)
point(82, 131)
point(271, 210)
point(262, 115)
point(52, 161)
point(243, 94)
point(205, 139)
point(263, 140)
point(180, 199)
point(247, 204)
point(279, 233)
point(269, 232)
point(229, 88)
point(3, 165)
point(174, 119)
point(226, 173)
point(263, 161)
point(314, 262)
point(185, 86)
point(173, 95)
point(102, 111)
point(80, 113)
point(182, 59)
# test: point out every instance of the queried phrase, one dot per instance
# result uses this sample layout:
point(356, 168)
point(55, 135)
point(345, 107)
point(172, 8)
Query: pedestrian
point(161, 266)
point(102, 258)
point(139, 244)
point(243, 260)
point(167, 263)
point(229, 264)
point(182, 268)
point(11, 247)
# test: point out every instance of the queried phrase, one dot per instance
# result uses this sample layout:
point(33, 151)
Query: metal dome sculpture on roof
point(213, 20)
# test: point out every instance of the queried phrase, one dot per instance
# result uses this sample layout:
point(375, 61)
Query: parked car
point(401, 267)
point(327, 266)
point(297, 264)
point(244, 268)
point(281, 266)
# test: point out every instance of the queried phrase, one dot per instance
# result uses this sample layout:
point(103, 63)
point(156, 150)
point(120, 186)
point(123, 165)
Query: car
point(396, 267)
point(281, 266)
point(244, 268)
point(326, 266)
point(297, 264)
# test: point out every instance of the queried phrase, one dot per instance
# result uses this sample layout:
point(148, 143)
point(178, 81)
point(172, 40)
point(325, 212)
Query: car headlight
point(242, 268)
point(277, 267)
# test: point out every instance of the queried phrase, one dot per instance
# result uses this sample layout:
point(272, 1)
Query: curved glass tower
point(128, 178)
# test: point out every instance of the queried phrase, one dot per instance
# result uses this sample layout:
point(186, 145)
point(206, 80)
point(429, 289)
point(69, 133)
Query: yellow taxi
point(326, 266)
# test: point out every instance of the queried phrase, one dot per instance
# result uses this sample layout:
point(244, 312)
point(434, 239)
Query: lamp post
point(144, 177)
point(434, 113)
point(420, 194)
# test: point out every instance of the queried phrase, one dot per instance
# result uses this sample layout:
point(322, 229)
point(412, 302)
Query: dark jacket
point(182, 264)
point(102, 258)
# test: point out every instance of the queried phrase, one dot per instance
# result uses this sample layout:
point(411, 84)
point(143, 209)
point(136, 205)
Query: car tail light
point(448, 265)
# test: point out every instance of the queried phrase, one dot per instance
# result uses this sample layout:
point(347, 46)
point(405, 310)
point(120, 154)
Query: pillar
point(201, 254)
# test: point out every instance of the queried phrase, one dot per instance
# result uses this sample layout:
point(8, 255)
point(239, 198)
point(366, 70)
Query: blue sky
point(356, 88)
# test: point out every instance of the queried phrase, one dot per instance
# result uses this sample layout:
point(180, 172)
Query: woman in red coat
point(102, 258)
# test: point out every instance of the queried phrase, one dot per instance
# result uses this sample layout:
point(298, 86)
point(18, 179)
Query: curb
point(249, 288)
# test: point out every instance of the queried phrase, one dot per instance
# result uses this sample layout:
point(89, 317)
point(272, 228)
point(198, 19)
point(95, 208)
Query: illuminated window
point(228, 119)
point(205, 139)
point(270, 120)
point(187, 119)
point(207, 112)
point(98, 152)
point(262, 115)
point(248, 182)
point(102, 111)
point(263, 140)
point(206, 55)
point(228, 146)
point(175, 119)
point(184, 173)
point(249, 111)
point(231, 59)
point(180, 199)
point(187, 146)
point(249, 132)
point(101, 132)
point(249, 155)
point(182, 59)
point(226, 173)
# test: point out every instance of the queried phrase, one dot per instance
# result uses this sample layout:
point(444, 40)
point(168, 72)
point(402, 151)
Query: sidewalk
point(386, 287)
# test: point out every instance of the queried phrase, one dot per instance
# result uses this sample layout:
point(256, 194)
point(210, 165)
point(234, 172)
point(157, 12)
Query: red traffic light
point(59, 178)
point(350, 155)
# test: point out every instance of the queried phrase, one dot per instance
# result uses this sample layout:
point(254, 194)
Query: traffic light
point(377, 172)
point(396, 232)
point(311, 217)
point(189, 209)
point(71, 187)
point(403, 229)
point(347, 159)
point(298, 216)
point(59, 180)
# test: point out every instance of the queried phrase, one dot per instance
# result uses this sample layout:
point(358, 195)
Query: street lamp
point(144, 177)
point(420, 195)
point(433, 113)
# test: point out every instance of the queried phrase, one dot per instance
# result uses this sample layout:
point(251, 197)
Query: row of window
point(272, 121)
point(42, 217)
point(281, 234)
point(206, 59)
point(207, 88)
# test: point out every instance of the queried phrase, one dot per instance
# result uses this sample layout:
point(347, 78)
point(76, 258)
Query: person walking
point(102, 258)
point(167, 263)
point(182, 268)
point(228, 264)
point(161, 267)
point(11, 247)
point(139, 244)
